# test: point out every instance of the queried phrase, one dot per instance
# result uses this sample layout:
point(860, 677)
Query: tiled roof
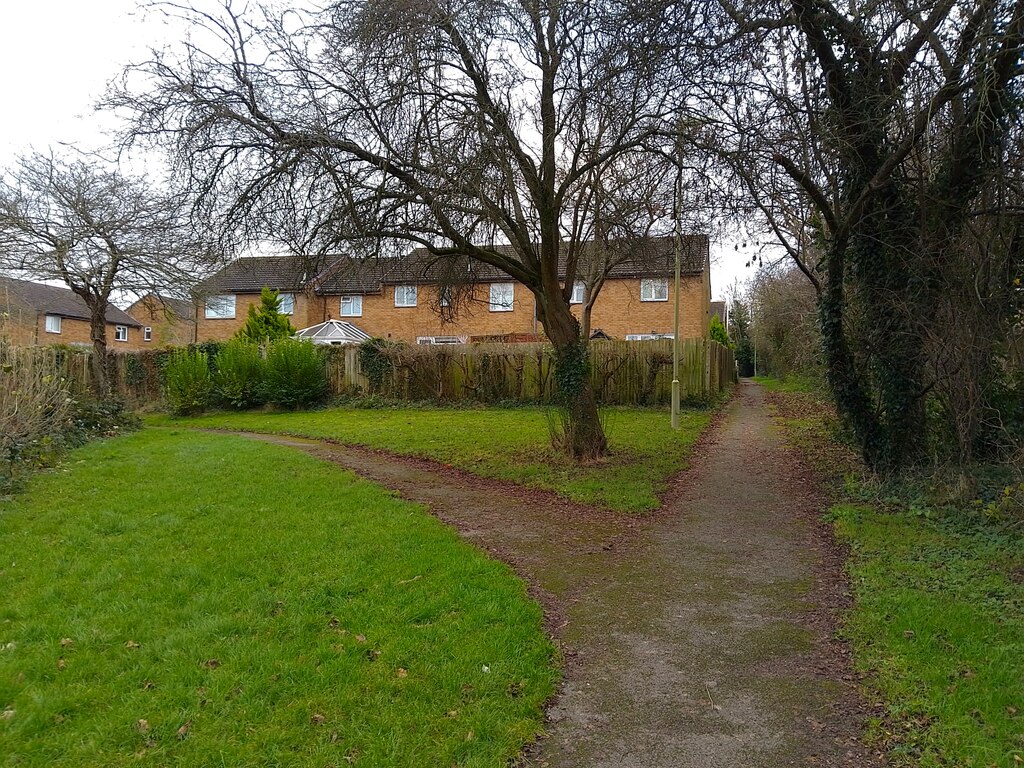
point(53, 300)
point(345, 275)
point(652, 257)
point(250, 274)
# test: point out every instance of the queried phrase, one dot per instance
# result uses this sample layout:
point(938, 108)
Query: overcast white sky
point(56, 57)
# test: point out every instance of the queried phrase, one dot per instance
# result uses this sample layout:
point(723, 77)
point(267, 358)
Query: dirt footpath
point(701, 636)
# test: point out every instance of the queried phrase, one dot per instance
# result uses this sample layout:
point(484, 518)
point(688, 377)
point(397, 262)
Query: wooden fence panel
point(622, 372)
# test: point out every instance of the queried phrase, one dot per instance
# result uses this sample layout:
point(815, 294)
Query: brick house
point(166, 321)
point(403, 299)
point(39, 314)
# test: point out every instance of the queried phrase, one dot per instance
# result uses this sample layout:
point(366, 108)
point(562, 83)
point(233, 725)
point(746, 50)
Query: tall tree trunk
point(584, 436)
point(98, 361)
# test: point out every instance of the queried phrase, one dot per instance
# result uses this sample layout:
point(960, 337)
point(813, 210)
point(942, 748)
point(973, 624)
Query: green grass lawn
point(189, 599)
point(508, 444)
point(937, 627)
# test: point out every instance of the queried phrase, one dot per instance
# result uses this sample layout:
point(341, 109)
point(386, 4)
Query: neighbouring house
point(40, 314)
point(166, 321)
point(718, 309)
point(404, 298)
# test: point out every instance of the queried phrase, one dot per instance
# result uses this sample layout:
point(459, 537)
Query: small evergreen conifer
point(265, 321)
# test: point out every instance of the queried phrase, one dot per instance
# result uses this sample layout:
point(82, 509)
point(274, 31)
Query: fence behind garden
point(622, 372)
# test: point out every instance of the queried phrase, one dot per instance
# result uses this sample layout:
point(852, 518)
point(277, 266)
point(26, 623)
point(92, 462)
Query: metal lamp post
point(677, 195)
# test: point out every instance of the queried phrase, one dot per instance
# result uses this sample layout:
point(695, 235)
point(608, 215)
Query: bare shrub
point(34, 401)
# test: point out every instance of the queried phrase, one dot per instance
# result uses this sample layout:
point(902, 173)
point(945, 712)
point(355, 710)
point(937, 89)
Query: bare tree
point(875, 139)
point(468, 127)
point(785, 330)
point(99, 232)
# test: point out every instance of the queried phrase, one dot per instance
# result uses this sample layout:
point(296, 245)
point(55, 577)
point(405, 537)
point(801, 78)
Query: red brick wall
point(168, 329)
point(618, 312)
point(210, 329)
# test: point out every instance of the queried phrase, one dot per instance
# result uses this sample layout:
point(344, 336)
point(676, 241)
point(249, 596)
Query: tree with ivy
point(889, 133)
point(472, 129)
point(265, 321)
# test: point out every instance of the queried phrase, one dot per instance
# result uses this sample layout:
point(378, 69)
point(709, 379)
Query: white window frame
point(220, 307)
point(579, 292)
point(120, 333)
point(355, 306)
point(648, 336)
point(440, 339)
point(290, 298)
point(650, 288)
point(444, 295)
point(500, 301)
point(147, 333)
point(51, 326)
point(408, 295)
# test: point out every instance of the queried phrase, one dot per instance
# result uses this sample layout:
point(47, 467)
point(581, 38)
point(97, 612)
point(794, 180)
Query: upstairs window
point(351, 306)
point(444, 296)
point(220, 307)
point(405, 295)
point(120, 333)
point(579, 292)
point(502, 297)
point(53, 323)
point(147, 334)
point(654, 289)
point(286, 303)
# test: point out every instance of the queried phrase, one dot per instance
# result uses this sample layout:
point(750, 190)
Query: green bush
point(189, 382)
point(296, 374)
point(239, 378)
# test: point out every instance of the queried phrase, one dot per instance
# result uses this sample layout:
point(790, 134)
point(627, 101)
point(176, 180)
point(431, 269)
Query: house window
point(502, 295)
point(53, 323)
point(351, 306)
point(648, 336)
point(654, 289)
point(147, 334)
point(444, 296)
point(120, 333)
point(579, 290)
point(405, 295)
point(220, 307)
point(440, 339)
point(286, 303)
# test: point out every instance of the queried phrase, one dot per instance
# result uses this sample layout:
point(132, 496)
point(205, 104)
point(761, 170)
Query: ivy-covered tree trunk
point(876, 377)
point(98, 359)
point(584, 436)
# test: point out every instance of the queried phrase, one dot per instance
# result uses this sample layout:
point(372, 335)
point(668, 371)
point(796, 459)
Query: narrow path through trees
point(700, 636)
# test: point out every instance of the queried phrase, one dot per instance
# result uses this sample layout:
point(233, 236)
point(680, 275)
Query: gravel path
point(700, 636)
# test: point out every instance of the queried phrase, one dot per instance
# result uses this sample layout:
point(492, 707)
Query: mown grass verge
point(937, 625)
point(510, 444)
point(179, 598)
